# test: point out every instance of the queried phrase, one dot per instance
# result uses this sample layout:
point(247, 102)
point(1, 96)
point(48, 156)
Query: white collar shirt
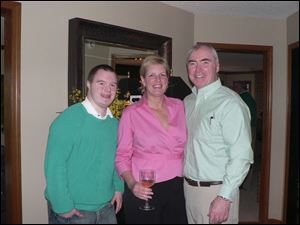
point(91, 110)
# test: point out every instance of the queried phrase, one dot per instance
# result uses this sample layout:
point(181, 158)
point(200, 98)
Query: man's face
point(202, 67)
point(103, 88)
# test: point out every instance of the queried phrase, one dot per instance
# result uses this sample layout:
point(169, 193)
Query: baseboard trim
point(274, 221)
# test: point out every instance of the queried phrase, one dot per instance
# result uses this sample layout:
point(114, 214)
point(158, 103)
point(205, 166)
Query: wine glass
point(147, 178)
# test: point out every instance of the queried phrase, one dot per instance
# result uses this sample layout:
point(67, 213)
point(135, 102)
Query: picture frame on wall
point(246, 84)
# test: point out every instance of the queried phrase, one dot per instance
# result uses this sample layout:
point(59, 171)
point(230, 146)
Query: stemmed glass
point(147, 178)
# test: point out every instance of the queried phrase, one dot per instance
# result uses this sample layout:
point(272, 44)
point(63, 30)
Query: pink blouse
point(143, 143)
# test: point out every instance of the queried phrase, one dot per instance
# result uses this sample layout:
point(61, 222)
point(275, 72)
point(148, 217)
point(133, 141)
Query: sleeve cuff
point(227, 192)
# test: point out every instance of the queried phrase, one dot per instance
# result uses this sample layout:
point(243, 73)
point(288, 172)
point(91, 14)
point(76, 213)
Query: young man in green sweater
point(82, 184)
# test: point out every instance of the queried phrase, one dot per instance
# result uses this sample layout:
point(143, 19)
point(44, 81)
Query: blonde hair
point(153, 60)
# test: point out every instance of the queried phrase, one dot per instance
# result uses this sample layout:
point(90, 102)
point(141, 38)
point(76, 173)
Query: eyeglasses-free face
point(202, 67)
point(155, 80)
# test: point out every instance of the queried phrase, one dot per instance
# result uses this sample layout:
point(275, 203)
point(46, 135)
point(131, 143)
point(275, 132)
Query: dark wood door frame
point(288, 134)
point(267, 52)
point(11, 11)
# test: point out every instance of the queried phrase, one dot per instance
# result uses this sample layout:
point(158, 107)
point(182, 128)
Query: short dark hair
point(94, 70)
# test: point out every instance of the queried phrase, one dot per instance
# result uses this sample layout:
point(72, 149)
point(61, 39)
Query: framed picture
point(243, 85)
point(134, 98)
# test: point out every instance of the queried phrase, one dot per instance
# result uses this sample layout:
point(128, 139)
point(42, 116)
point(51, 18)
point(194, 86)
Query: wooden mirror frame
point(82, 29)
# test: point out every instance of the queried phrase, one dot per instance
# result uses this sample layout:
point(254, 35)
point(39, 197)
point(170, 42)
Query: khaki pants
point(198, 200)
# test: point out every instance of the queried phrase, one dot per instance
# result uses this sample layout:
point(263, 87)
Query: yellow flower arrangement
point(76, 96)
point(117, 106)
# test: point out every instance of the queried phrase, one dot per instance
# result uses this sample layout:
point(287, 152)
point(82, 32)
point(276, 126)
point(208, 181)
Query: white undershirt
point(91, 110)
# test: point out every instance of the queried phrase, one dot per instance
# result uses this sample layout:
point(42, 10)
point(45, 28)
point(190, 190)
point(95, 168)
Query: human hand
point(71, 213)
point(141, 192)
point(117, 200)
point(219, 210)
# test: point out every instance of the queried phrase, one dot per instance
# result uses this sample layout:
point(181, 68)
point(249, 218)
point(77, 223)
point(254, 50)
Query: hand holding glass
point(147, 179)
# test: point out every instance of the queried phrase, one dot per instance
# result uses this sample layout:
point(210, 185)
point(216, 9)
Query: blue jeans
point(105, 215)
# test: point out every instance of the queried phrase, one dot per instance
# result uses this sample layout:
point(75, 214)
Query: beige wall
point(44, 71)
point(254, 31)
point(293, 28)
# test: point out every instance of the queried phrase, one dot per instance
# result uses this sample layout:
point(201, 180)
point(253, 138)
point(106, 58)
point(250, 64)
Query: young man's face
point(103, 88)
point(202, 67)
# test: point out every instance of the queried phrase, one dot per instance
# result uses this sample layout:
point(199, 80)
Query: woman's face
point(155, 80)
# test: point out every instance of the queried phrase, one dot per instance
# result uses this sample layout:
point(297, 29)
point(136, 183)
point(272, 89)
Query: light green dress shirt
point(219, 137)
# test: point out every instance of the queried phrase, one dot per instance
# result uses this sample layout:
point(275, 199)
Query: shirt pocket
point(209, 129)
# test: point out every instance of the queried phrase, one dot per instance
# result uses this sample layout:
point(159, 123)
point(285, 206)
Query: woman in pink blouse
point(152, 135)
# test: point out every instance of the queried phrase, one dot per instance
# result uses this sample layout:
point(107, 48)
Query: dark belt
point(201, 183)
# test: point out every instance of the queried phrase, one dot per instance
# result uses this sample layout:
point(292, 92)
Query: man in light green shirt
point(218, 152)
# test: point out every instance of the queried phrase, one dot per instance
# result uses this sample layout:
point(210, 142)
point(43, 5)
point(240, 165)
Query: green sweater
point(79, 162)
point(249, 100)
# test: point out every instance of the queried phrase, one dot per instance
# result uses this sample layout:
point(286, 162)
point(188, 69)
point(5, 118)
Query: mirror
point(124, 59)
point(84, 32)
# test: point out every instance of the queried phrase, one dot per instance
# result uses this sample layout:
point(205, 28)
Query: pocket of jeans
point(62, 220)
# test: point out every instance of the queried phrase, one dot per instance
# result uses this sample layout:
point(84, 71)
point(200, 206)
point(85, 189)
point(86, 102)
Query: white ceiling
point(262, 9)
point(259, 9)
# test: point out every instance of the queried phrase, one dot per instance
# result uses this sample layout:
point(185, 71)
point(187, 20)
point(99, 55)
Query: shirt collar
point(207, 90)
point(91, 110)
point(144, 101)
